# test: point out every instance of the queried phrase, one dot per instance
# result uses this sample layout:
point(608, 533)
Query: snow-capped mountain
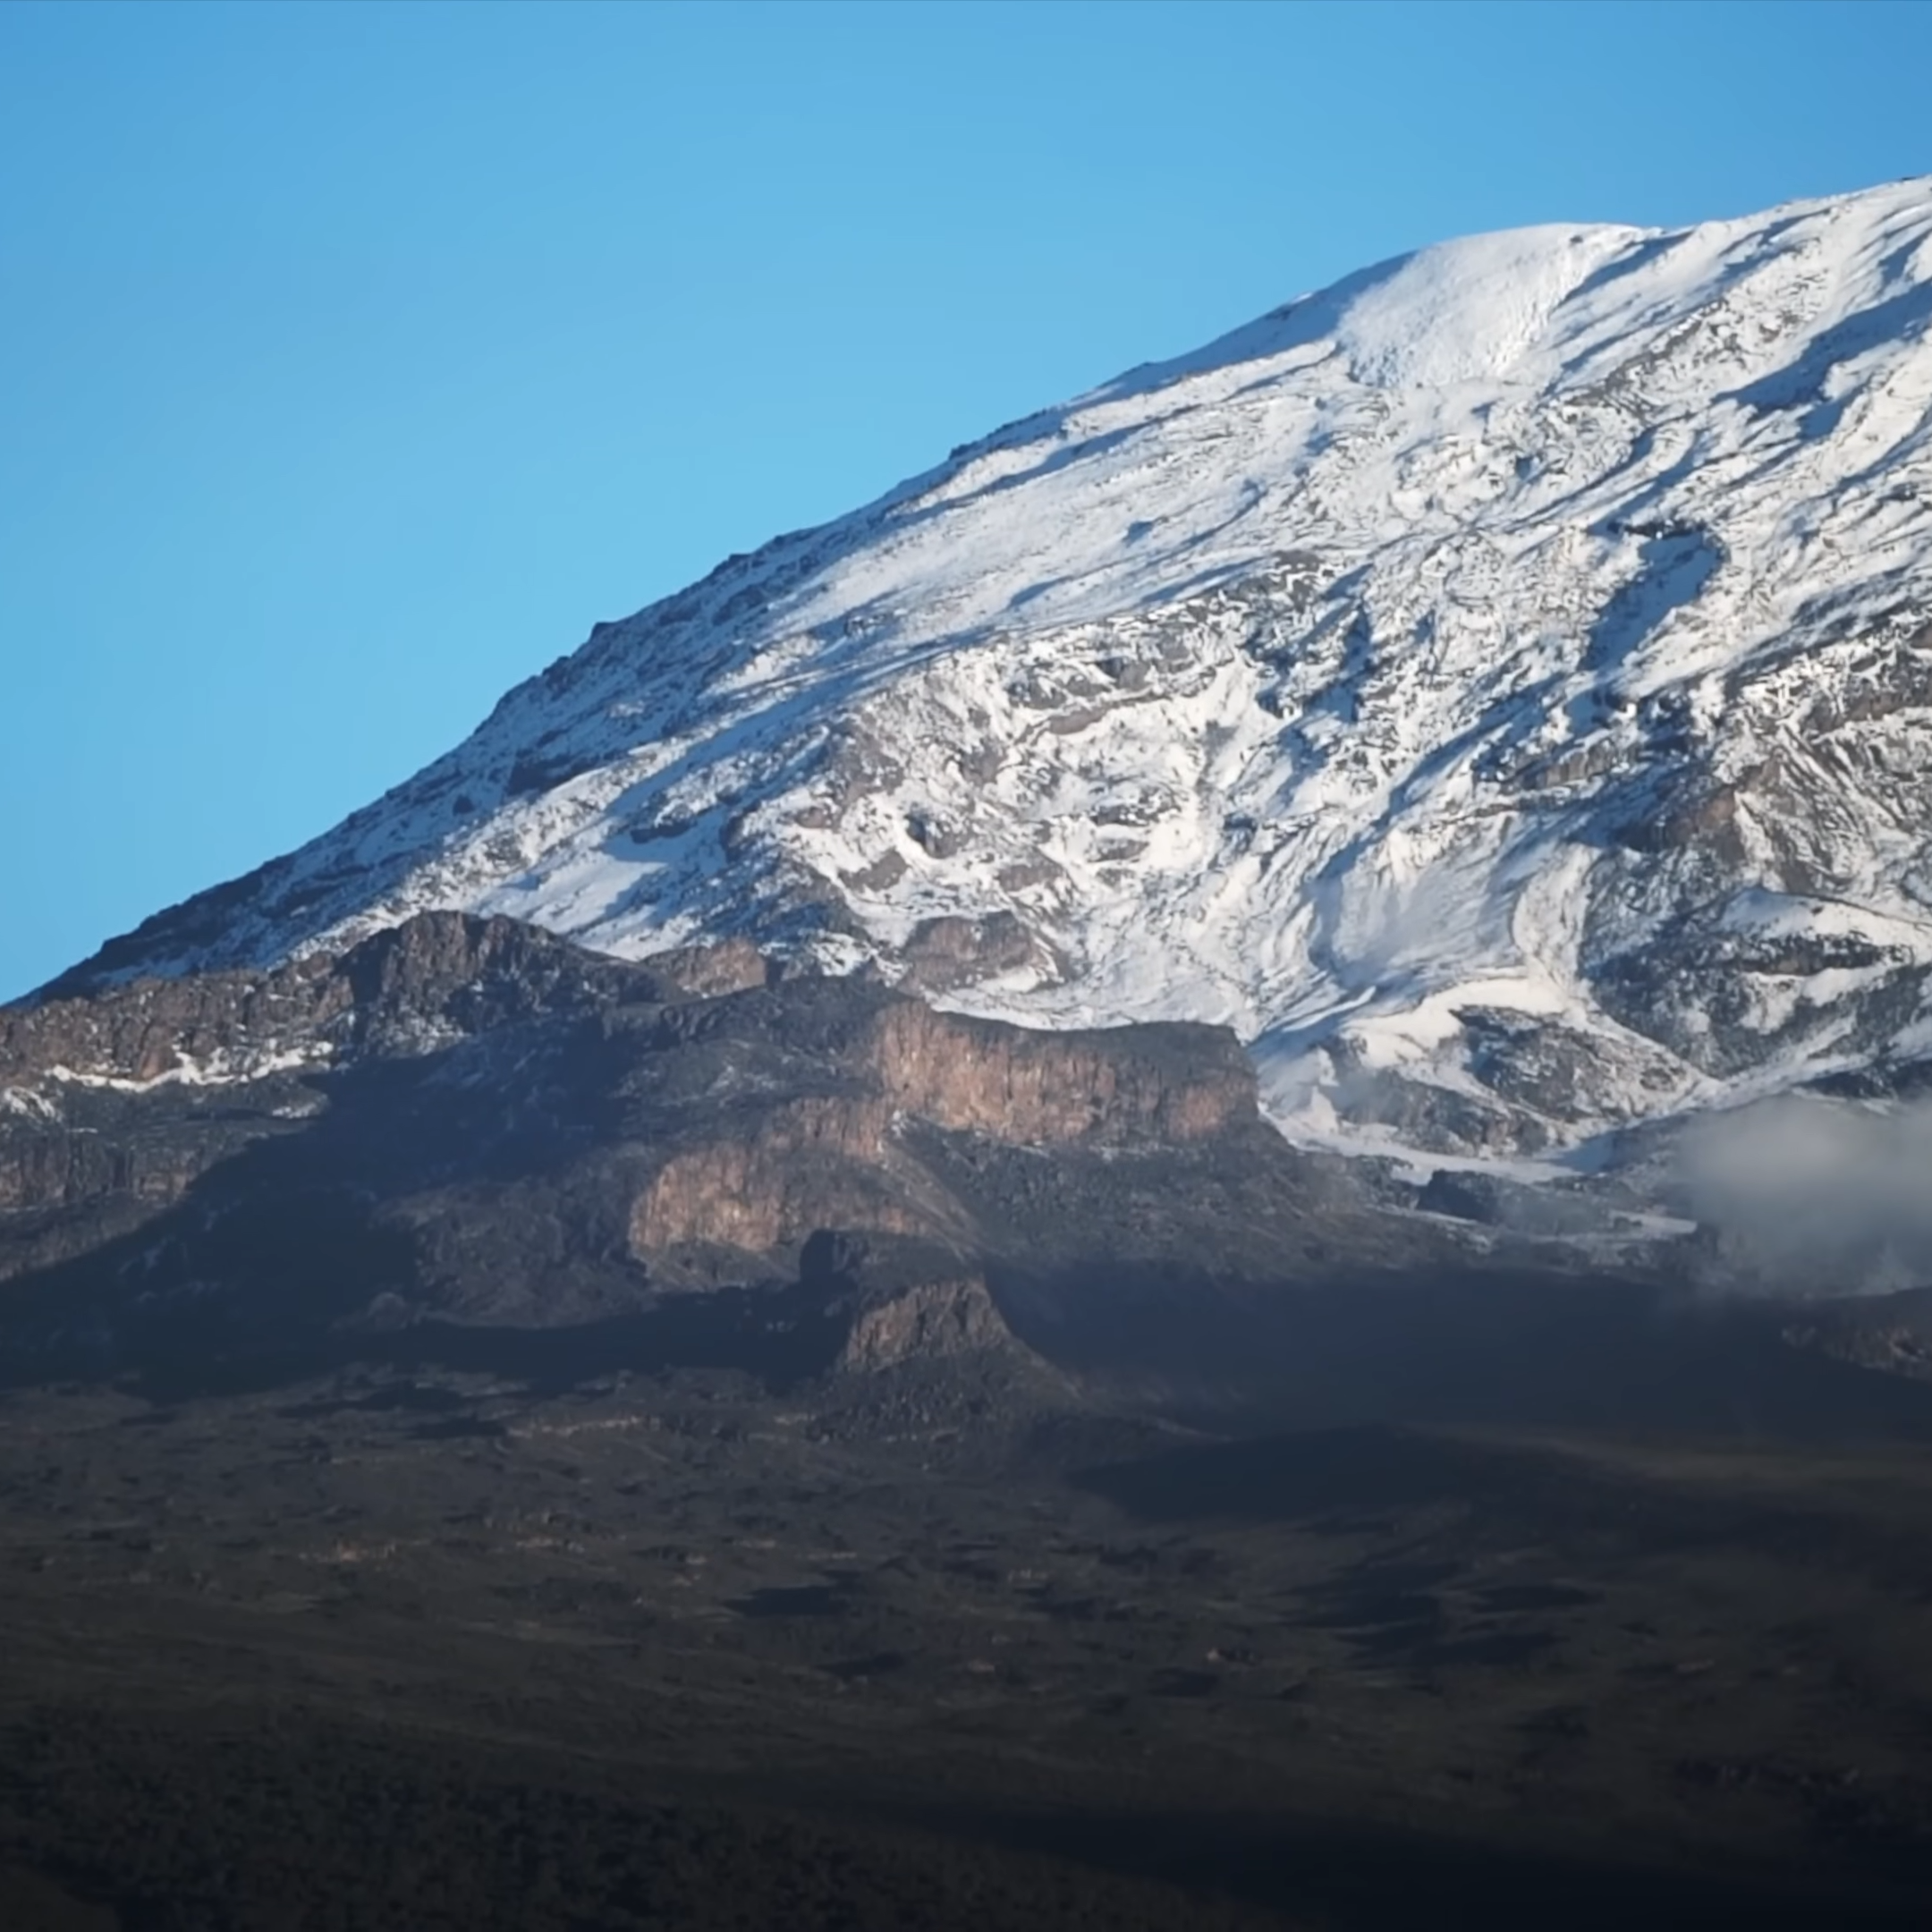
point(1500, 686)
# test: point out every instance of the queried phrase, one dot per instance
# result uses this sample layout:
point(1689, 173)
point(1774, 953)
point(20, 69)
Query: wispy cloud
point(1817, 1197)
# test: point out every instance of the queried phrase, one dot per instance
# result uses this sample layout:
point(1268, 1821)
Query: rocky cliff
point(468, 1119)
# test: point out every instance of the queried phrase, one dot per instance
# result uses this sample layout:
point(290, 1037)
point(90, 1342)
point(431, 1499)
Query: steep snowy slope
point(1500, 685)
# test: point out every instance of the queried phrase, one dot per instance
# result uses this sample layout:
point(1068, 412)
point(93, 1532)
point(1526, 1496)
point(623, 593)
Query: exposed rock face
point(434, 979)
point(808, 1164)
point(842, 1157)
point(57, 1168)
point(218, 1022)
point(1162, 1083)
point(132, 1095)
point(472, 1119)
point(931, 1321)
point(943, 954)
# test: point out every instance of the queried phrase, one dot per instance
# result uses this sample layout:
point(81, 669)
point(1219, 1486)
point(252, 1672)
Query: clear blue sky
point(355, 359)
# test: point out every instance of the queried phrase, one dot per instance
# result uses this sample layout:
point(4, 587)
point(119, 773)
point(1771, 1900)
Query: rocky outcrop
point(1174, 1082)
point(842, 1156)
point(220, 1025)
point(931, 1321)
point(806, 1164)
point(436, 977)
point(473, 1120)
point(951, 951)
point(53, 1168)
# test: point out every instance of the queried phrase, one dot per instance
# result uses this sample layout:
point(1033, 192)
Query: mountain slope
point(1499, 686)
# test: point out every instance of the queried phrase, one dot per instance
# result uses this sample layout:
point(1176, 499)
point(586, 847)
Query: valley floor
point(434, 1648)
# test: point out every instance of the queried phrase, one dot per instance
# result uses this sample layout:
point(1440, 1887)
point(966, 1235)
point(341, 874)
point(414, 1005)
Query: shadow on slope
point(1440, 1347)
point(1356, 1879)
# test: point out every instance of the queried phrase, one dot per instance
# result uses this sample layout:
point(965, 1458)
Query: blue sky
point(354, 361)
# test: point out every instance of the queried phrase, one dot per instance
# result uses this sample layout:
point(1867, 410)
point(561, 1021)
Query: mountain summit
point(1499, 686)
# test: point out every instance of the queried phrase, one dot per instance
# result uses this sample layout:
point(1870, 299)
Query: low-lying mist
point(1810, 1196)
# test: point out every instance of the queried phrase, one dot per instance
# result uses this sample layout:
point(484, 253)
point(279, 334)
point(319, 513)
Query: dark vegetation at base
point(778, 1337)
point(188, 1825)
point(669, 1652)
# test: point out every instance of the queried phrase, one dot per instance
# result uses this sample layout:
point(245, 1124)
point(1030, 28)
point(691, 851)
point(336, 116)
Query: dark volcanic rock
point(1493, 1201)
point(434, 978)
point(470, 1119)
